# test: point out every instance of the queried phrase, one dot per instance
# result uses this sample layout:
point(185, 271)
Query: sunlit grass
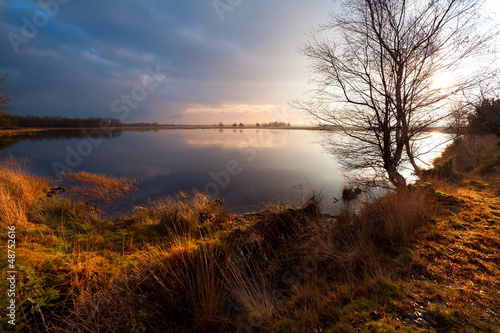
point(425, 258)
point(99, 187)
point(18, 190)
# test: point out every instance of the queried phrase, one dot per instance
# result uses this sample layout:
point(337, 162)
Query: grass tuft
point(18, 190)
point(95, 187)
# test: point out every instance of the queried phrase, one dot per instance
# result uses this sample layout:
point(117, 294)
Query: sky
point(165, 61)
point(171, 62)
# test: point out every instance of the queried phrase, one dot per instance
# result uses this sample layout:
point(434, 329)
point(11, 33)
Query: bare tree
point(459, 116)
point(6, 120)
point(4, 100)
point(374, 67)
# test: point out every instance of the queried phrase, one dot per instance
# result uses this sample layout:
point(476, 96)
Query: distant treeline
point(155, 124)
point(275, 124)
point(271, 124)
point(64, 122)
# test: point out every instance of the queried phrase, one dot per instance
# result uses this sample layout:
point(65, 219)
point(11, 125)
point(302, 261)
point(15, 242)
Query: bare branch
point(374, 67)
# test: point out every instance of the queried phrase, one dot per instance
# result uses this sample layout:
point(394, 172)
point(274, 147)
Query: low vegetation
point(424, 258)
point(95, 187)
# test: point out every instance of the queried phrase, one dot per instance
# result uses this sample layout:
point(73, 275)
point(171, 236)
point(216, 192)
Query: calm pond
point(247, 167)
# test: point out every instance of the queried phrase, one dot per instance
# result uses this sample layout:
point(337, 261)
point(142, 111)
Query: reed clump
point(195, 214)
point(94, 187)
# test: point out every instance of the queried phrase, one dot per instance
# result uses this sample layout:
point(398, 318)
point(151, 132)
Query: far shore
point(7, 132)
point(168, 127)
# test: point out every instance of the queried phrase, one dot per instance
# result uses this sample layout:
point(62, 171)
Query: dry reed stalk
point(99, 187)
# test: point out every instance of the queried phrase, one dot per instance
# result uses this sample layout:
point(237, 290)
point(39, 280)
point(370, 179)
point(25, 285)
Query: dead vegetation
point(423, 258)
point(18, 190)
point(95, 187)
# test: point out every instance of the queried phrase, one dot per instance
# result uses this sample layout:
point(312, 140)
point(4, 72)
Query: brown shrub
point(393, 219)
point(356, 245)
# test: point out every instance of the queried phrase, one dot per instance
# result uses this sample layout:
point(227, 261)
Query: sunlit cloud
point(241, 113)
point(234, 108)
point(234, 70)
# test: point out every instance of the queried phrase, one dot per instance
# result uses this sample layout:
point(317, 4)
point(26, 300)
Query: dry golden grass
point(18, 190)
point(394, 218)
point(184, 284)
point(188, 215)
point(186, 265)
point(357, 244)
point(96, 187)
point(176, 282)
point(250, 290)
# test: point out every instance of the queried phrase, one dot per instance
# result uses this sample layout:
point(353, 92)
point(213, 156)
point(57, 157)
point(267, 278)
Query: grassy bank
point(9, 132)
point(425, 258)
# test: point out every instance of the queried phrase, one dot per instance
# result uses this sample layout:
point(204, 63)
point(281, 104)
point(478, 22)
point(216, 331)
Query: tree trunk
point(395, 177)
point(410, 156)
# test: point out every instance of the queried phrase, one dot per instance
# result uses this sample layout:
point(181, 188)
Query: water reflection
point(270, 163)
point(430, 146)
point(9, 140)
point(248, 168)
point(64, 134)
point(237, 139)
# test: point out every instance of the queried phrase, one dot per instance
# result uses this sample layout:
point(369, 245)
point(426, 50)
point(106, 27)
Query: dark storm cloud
point(90, 53)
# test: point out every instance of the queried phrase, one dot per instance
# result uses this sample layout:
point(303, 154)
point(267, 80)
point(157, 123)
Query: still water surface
point(248, 168)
